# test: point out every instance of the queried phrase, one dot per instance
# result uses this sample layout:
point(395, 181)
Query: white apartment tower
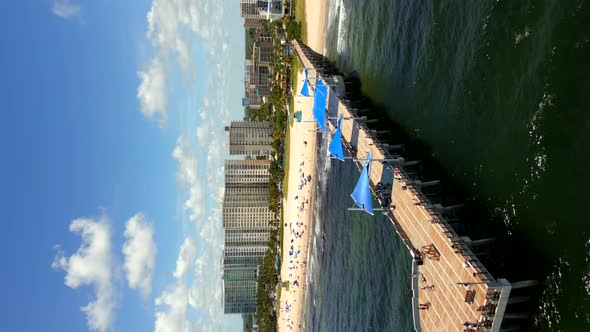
point(247, 224)
point(250, 138)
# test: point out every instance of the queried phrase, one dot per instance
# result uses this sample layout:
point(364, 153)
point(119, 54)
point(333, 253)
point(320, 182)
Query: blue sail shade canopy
point(362, 192)
point(335, 147)
point(320, 96)
point(305, 88)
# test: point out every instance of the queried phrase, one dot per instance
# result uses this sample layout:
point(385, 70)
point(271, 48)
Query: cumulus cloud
point(202, 133)
point(172, 307)
point(65, 9)
point(140, 252)
point(207, 286)
point(187, 175)
point(91, 265)
point(173, 25)
point(152, 92)
point(172, 304)
point(186, 258)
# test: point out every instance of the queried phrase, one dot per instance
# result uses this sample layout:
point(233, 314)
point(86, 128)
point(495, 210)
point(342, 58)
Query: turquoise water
point(497, 95)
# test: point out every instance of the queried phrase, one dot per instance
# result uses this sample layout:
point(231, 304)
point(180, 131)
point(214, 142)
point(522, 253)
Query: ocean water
point(360, 271)
point(496, 95)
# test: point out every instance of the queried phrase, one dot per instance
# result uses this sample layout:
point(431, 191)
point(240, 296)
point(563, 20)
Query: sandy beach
point(316, 14)
point(297, 204)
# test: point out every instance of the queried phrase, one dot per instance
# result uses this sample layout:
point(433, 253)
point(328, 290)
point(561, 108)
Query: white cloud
point(203, 133)
point(152, 92)
point(172, 304)
point(205, 291)
point(211, 233)
point(187, 175)
point(140, 252)
point(91, 265)
point(173, 26)
point(172, 307)
point(66, 9)
point(186, 258)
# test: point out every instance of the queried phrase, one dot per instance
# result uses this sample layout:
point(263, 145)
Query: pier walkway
point(452, 288)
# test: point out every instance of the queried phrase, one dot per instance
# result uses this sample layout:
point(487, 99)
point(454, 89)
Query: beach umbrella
point(305, 88)
point(320, 98)
point(362, 191)
point(335, 147)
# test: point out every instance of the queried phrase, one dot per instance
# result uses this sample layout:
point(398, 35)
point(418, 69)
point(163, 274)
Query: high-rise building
point(258, 72)
point(262, 9)
point(250, 138)
point(247, 225)
point(239, 296)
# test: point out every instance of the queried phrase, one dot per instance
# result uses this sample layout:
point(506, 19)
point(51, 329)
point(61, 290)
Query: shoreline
point(298, 215)
point(316, 23)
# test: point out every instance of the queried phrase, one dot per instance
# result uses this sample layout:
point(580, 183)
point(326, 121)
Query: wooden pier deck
point(462, 291)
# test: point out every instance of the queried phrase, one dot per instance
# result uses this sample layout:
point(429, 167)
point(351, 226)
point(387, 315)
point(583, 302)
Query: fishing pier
point(452, 289)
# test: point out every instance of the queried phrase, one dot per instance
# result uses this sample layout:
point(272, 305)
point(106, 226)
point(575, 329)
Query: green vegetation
point(248, 322)
point(281, 230)
point(286, 165)
point(264, 113)
point(300, 18)
point(268, 277)
point(250, 36)
point(294, 71)
point(292, 28)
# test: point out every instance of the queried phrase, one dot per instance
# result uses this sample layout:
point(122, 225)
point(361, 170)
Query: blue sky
point(113, 145)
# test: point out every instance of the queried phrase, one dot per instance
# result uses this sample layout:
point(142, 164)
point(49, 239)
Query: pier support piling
point(482, 241)
point(523, 284)
point(519, 315)
point(421, 184)
point(411, 163)
point(518, 299)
